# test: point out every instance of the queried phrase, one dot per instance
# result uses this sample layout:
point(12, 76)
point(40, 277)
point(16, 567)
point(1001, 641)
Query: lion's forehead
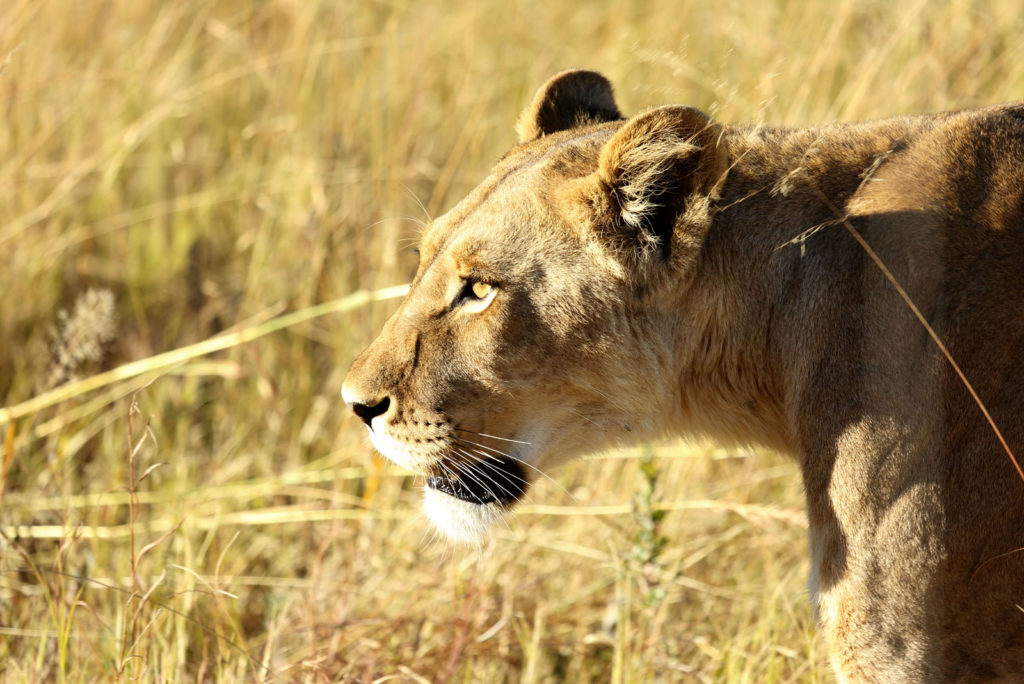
point(515, 196)
point(498, 240)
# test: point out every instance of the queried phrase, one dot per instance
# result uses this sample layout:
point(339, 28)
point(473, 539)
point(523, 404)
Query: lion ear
point(568, 100)
point(657, 164)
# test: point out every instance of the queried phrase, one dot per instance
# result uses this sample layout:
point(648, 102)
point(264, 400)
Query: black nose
point(368, 412)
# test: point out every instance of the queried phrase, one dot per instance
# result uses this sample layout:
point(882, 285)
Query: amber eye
point(476, 296)
point(481, 290)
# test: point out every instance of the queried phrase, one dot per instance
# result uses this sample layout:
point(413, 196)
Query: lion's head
point(538, 325)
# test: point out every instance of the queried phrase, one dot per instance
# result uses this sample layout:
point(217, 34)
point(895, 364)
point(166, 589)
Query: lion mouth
point(498, 480)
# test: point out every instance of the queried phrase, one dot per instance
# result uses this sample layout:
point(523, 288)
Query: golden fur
point(670, 274)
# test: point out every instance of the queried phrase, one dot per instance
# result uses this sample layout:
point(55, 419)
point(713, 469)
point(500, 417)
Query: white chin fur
point(460, 521)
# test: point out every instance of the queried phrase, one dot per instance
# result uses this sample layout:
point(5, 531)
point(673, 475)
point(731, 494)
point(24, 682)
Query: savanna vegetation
point(202, 204)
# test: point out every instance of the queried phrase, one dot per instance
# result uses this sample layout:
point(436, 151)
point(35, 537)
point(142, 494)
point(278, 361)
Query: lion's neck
point(777, 271)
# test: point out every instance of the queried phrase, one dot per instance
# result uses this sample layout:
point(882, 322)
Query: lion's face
point(526, 336)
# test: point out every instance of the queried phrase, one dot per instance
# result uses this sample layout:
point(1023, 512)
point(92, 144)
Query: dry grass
point(231, 172)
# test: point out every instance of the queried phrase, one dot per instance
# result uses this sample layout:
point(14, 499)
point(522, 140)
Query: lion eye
point(481, 290)
point(477, 296)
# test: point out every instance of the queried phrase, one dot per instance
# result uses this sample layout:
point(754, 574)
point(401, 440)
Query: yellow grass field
point(173, 173)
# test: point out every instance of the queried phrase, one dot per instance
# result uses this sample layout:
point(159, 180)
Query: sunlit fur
point(462, 522)
point(670, 274)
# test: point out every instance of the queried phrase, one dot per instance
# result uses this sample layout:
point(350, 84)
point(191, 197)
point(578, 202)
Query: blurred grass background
point(170, 172)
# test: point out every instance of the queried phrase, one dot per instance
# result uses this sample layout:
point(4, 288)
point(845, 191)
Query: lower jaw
point(461, 521)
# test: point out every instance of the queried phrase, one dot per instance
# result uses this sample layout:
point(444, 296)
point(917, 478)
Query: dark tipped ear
point(569, 100)
point(657, 164)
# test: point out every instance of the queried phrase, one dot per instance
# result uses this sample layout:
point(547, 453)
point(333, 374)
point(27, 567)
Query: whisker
point(483, 476)
point(432, 531)
point(423, 208)
point(484, 434)
point(468, 472)
point(523, 495)
point(412, 219)
point(517, 460)
point(486, 458)
point(497, 452)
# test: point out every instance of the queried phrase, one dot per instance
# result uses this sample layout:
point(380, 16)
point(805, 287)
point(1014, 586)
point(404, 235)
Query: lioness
point(616, 279)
